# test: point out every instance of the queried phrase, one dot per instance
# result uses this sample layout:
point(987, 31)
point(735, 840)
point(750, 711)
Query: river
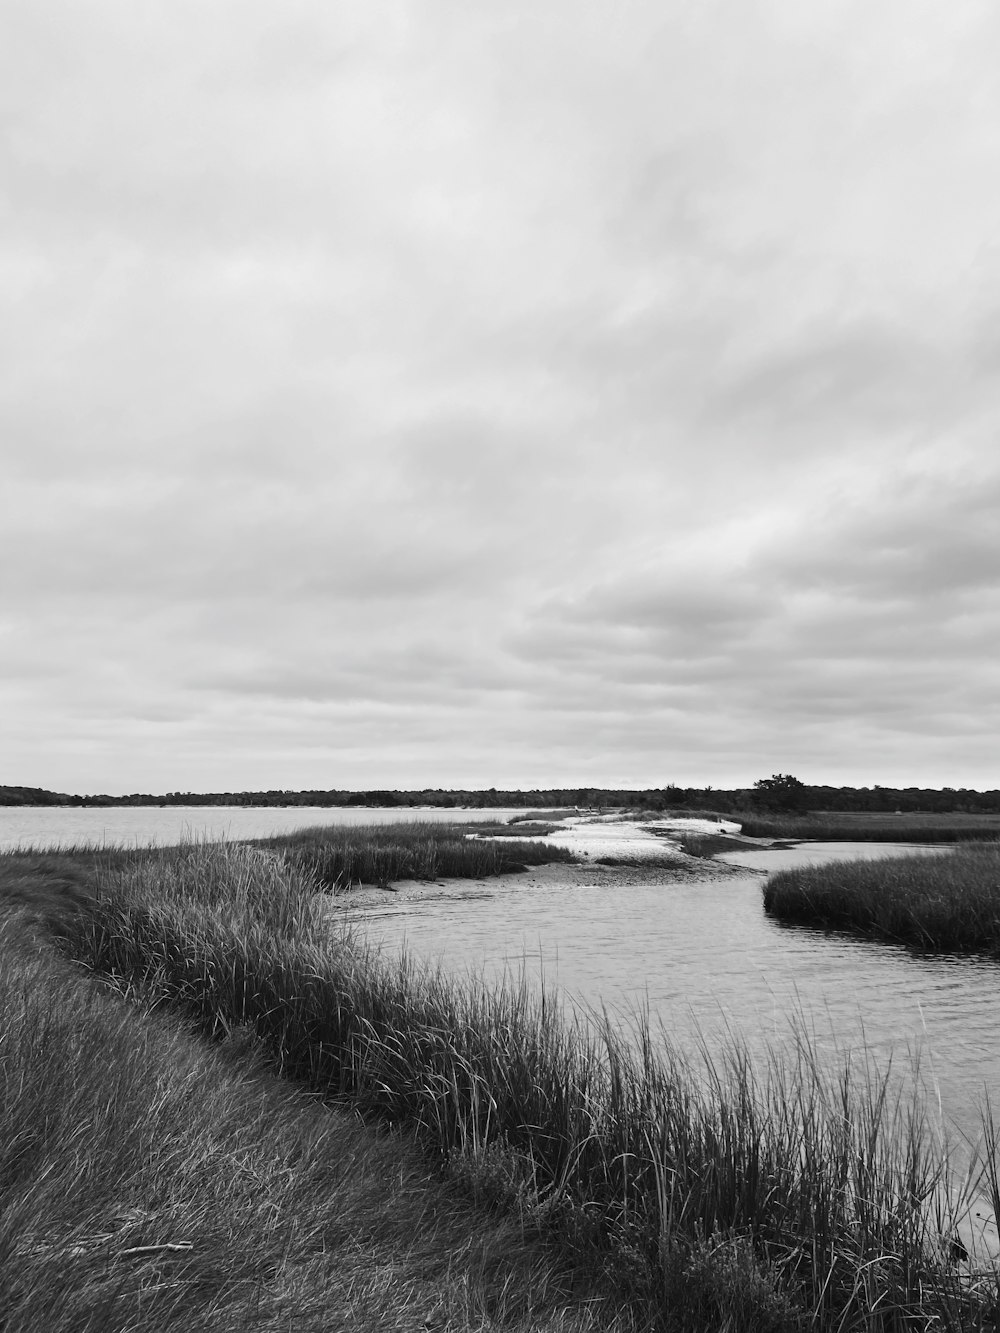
point(707, 961)
point(700, 952)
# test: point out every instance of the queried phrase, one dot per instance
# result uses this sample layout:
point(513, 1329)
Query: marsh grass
point(947, 903)
point(706, 845)
point(339, 856)
point(152, 1181)
point(724, 1196)
point(518, 828)
point(914, 827)
point(545, 816)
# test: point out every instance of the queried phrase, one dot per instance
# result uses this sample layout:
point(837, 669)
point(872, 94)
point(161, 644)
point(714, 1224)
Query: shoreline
point(555, 874)
point(427, 1054)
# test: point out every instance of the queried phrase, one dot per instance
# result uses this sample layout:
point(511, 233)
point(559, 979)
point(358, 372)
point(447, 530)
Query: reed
point(717, 1195)
point(151, 1180)
point(339, 856)
point(946, 903)
point(916, 827)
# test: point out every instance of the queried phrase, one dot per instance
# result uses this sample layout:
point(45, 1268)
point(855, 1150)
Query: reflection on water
point(704, 956)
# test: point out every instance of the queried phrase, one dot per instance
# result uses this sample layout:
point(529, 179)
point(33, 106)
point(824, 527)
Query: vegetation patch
point(517, 828)
point(947, 903)
point(846, 827)
point(723, 1196)
point(707, 845)
point(340, 856)
point(150, 1180)
point(545, 816)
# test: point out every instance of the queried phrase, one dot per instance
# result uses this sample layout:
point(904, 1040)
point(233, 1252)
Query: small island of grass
point(946, 903)
point(339, 856)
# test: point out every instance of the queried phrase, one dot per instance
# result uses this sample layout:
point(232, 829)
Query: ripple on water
point(705, 958)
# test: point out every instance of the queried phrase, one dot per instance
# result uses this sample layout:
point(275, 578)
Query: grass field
point(947, 903)
point(725, 1196)
point(339, 856)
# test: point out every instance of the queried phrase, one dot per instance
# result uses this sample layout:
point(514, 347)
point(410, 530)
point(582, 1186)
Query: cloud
point(878, 620)
point(553, 392)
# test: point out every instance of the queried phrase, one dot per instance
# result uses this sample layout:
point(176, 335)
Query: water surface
point(62, 826)
point(705, 958)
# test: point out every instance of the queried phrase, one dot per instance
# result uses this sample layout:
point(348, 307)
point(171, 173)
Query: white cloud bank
point(422, 393)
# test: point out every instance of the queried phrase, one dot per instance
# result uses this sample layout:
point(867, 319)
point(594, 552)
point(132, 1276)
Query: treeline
point(588, 797)
point(875, 800)
point(905, 800)
point(35, 796)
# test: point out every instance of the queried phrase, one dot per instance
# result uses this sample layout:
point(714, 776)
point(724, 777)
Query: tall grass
point(339, 856)
point(717, 1197)
point(945, 903)
point(150, 1181)
point(916, 827)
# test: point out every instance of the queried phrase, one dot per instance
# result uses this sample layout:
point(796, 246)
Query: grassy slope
point(151, 1181)
point(767, 1199)
point(946, 903)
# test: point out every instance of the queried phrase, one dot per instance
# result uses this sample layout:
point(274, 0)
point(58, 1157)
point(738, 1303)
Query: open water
point(140, 826)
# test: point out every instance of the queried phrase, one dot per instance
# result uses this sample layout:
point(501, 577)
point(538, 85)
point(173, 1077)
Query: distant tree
point(780, 792)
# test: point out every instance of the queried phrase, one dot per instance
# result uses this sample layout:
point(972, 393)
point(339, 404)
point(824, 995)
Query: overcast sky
point(484, 394)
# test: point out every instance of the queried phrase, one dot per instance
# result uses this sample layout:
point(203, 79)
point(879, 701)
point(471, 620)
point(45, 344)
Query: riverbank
point(518, 1170)
point(150, 1178)
point(761, 1196)
point(620, 874)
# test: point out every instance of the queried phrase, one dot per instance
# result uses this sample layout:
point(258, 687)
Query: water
point(700, 952)
point(59, 826)
point(705, 958)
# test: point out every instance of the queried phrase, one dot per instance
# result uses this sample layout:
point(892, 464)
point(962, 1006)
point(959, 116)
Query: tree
point(780, 792)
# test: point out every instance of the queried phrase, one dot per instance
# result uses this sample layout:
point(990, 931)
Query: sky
point(417, 393)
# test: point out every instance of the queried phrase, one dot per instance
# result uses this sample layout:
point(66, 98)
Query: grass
point(840, 827)
point(339, 856)
point(706, 845)
point(544, 816)
point(519, 828)
point(152, 1181)
point(947, 903)
point(717, 1197)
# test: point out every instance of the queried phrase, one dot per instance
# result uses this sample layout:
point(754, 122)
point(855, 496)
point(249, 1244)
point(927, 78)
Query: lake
point(131, 826)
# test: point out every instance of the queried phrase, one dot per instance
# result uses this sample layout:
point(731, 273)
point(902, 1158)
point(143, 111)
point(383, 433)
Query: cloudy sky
point(423, 392)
